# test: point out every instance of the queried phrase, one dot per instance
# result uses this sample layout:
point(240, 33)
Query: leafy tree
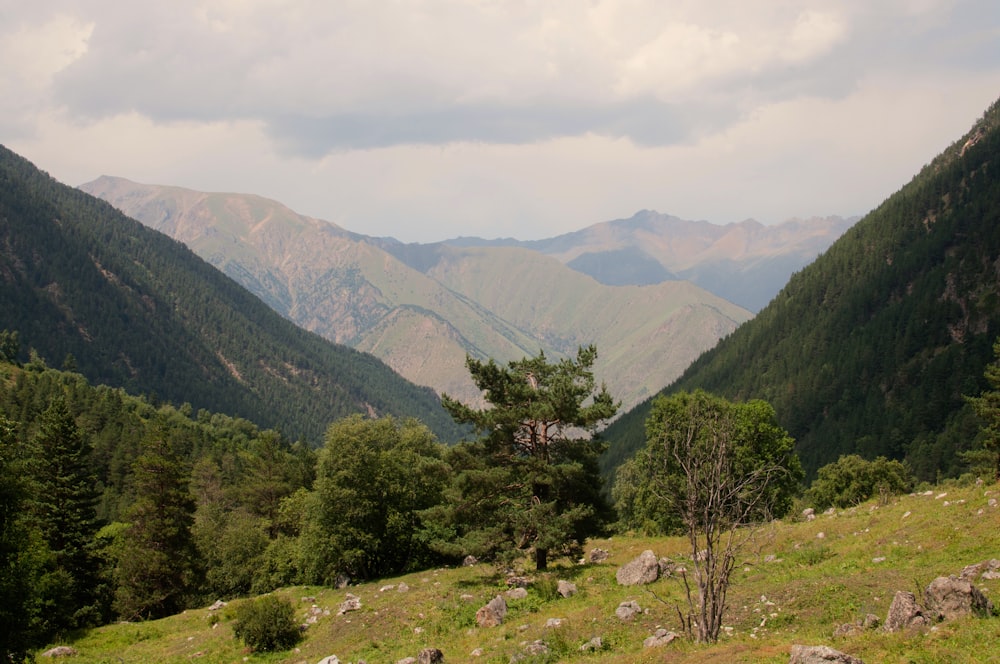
point(532, 479)
point(266, 623)
point(156, 566)
point(851, 480)
point(987, 406)
point(717, 468)
point(374, 477)
point(10, 345)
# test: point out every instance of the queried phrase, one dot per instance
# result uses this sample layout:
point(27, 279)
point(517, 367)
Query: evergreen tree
point(987, 406)
point(156, 568)
point(532, 480)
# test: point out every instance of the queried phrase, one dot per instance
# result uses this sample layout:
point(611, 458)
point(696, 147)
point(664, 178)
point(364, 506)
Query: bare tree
point(720, 469)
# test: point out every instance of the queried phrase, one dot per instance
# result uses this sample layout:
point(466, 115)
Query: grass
point(796, 583)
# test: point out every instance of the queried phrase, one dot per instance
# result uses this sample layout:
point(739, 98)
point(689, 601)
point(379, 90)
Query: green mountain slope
point(139, 310)
point(423, 308)
point(871, 348)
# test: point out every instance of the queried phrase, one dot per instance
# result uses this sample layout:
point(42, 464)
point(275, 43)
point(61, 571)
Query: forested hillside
point(87, 287)
point(872, 348)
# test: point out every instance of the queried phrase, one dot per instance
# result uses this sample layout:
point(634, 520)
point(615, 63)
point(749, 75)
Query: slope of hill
point(137, 309)
point(871, 348)
point(805, 579)
point(746, 263)
point(423, 308)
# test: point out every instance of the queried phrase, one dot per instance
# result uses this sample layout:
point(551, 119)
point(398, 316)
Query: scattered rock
point(950, 597)
point(518, 582)
point(341, 582)
point(536, 648)
point(478, 652)
point(430, 656)
point(553, 622)
point(60, 651)
point(628, 610)
point(329, 659)
point(402, 588)
point(869, 622)
point(644, 569)
point(517, 593)
point(904, 613)
point(466, 597)
point(387, 588)
point(566, 588)
point(469, 561)
point(820, 655)
point(598, 555)
point(986, 570)
point(407, 660)
point(352, 603)
point(219, 604)
point(660, 637)
point(593, 645)
point(493, 613)
point(808, 514)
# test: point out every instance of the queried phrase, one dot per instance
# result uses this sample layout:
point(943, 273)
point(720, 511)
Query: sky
point(431, 119)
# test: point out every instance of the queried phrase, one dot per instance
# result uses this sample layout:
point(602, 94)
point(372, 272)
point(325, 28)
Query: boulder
point(517, 593)
point(430, 656)
point(628, 610)
point(352, 603)
point(820, 655)
point(329, 659)
point(644, 569)
point(950, 597)
point(904, 613)
point(598, 555)
point(493, 613)
point(660, 637)
point(566, 588)
point(593, 645)
point(60, 651)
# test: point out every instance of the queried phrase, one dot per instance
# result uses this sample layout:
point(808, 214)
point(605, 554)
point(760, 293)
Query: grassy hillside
point(801, 580)
point(130, 307)
point(871, 348)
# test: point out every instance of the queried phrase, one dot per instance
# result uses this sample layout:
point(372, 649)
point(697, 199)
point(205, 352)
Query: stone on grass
point(904, 613)
point(493, 613)
point(660, 637)
point(517, 593)
point(60, 651)
point(352, 603)
point(430, 656)
point(598, 555)
point(628, 610)
point(594, 644)
point(566, 588)
point(644, 569)
point(820, 655)
point(948, 597)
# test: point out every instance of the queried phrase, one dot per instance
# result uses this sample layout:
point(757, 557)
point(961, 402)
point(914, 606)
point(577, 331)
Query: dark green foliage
point(266, 623)
point(136, 309)
point(155, 570)
point(373, 479)
point(851, 480)
point(532, 480)
point(987, 407)
point(871, 349)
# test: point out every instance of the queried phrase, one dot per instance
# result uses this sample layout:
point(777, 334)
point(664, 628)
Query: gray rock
point(628, 610)
point(598, 555)
point(430, 656)
point(904, 613)
point(660, 637)
point(566, 588)
point(536, 648)
point(593, 645)
point(469, 561)
point(493, 613)
point(329, 659)
point(644, 569)
point(517, 593)
point(352, 603)
point(820, 655)
point(60, 651)
point(407, 660)
point(950, 597)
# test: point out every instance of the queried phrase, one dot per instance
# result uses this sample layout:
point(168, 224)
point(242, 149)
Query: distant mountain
point(870, 349)
point(746, 263)
point(127, 306)
point(424, 308)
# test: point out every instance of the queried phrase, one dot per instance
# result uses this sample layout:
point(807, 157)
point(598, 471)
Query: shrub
point(266, 623)
point(851, 480)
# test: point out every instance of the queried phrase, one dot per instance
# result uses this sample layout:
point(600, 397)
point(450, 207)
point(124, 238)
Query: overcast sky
point(430, 119)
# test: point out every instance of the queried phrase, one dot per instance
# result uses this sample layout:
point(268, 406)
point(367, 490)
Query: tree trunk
point(541, 559)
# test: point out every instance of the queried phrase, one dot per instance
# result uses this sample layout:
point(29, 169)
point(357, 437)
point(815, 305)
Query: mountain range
point(87, 288)
point(872, 348)
point(629, 286)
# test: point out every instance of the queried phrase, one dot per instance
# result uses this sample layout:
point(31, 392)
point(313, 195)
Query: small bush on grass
point(266, 623)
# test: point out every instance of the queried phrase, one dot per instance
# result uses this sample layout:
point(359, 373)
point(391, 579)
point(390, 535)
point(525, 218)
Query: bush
point(266, 623)
point(851, 480)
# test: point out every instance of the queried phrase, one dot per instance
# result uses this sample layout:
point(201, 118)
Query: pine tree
point(156, 566)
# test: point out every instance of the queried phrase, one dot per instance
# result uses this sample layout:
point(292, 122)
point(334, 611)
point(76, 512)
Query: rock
point(660, 637)
point(593, 645)
point(553, 622)
point(598, 555)
point(536, 648)
point(628, 610)
point(329, 659)
point(517, 593)
point(469, 561)
point(402, 588)
point(430, 656)
point(466, 597)
point(518, 581)
point(566, 588)
point(407, 660)
point(986, 570)
point(904, 613)
point(478, 652)
point(820, 655)
point(808, 514)
point(869, 622)
point(341, 582)
point(644, 569)
point(352, 603)
point(949, 597)
point(219, 604)
point(60, 651)
point(493, 613)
